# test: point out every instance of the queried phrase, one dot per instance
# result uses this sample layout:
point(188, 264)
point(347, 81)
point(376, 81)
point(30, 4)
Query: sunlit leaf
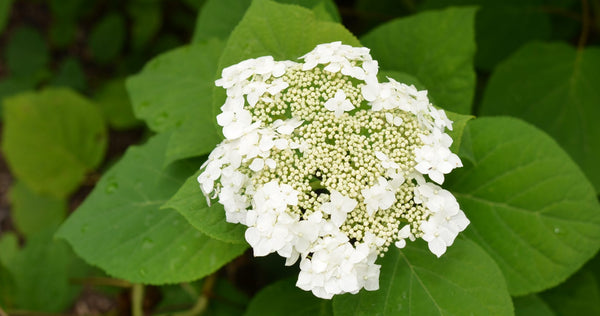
point(52, 138)
point(464, 281)
point(121, 228)
point(437, 48)
point(531, 208)
point(191, 203)
point(555, 87)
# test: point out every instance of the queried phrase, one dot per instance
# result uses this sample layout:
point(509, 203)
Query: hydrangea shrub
point(325, 164)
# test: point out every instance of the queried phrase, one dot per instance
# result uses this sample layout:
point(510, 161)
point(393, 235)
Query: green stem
point(137, 300)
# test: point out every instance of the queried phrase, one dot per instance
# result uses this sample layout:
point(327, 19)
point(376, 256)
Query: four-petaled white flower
point(339, 104)
point(338, 207)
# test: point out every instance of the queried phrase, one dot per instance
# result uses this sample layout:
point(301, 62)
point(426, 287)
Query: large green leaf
point(530, 206)
point(284, 298)
point(437, 47)
point(121, 228)
point(283, 31)
point(191, 203)
point(502, 26)
point(31, 212)
point(52, 138)
point(177, 86)
point(218, 18)
point(554, 87)
point(464, 281)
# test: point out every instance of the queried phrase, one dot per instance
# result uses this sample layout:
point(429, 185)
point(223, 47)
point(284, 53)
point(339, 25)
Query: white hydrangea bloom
point(326, 165)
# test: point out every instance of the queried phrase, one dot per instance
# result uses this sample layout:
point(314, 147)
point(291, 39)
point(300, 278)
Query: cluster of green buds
point(325, 164)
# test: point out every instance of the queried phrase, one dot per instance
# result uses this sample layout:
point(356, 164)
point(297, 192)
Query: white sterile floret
point(338, 207)
point(434, 158)
point(339, 104)
point(380, 196)
point(326, 165)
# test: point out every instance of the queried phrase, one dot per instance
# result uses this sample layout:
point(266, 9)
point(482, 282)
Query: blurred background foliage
point(66, 117)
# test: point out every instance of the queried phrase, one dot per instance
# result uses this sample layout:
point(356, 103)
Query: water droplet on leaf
point(147, 243)
point(112, 187)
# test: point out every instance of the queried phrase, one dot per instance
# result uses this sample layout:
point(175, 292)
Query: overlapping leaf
point(121, 228)
point(177, 86)
point(52, 138)
point(437, 48)
point(464, 281)
point(219, 17)
point(502, 26)
point(284, 298)
point(554, 87)
point(33, 213)
point(191, 203)
point(530, 206)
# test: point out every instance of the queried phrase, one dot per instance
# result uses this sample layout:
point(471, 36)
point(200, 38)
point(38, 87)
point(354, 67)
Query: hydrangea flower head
point(326, 165)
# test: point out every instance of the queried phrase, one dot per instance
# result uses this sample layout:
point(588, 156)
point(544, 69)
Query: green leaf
point(31, 212)
point(501, 27)
point(26, 53)
point(579, 295)
point(218, 18)
point(283, 31)
point(554, 87)
point(458, 126)
point(41, 271)
point(147, 20)
point(210, 220)
point(531, 305)
point(52, 138)
point(284, 298)
point(121, 228)
point(9, 246)
point(529, 205)
point(177, 86)
point(7, 287)
point(115, 105)
point(464, 281)
point(5, 7)
point(185, 141)
point(325, 10)
point(14, 85)
point(436, 47)
point(70, 74)
point(107, 38)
